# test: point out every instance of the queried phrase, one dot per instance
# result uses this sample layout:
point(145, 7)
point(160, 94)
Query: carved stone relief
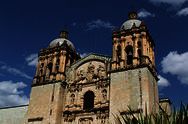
point(90, 72)
point(88, 120)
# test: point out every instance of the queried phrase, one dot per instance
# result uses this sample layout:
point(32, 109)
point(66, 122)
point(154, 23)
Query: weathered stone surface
point(13, 115)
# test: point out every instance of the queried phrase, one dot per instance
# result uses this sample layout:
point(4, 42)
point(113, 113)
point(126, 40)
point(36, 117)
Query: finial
point(133, 15)
point(64, 34)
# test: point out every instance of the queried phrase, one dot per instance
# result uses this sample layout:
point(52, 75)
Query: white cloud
point(183, 12)
point(11, 94)
point(97, 24)
point(143, 14)
point(163, 82)
point(32, 59)
point(14, 71)
point(172, 2)
point(176, 64)
point(82, 55)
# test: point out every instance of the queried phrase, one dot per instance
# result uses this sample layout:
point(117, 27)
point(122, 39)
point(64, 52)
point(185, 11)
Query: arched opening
point(50, 67)
point(129, 51)
point(57, 65)
point(139, 53)
point(88, 100)
point(118, 53)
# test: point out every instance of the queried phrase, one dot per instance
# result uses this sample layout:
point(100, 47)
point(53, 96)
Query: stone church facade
point(67, 89)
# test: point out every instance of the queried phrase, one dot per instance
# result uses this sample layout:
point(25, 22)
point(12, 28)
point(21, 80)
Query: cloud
point(11, 94)
point(14, 71)
point(176, 64)
point(97, 24)
point(183, 12)
point(82, 55)
point(143, 14)
point(32, 59)
point(171, 2)
point(163, 82)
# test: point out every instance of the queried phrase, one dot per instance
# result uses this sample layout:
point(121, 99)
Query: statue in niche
point(101, 72)
point(104, 95)
point(91, 72)
point(80, 75)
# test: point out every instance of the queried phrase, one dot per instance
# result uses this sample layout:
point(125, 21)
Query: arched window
point(57, 65)
point(129, 51)
point(72, 98)
point(139, 53)
point(50, 67)
point(139, 44)
point(104, 95)
point(119, 51)
point(88, 100)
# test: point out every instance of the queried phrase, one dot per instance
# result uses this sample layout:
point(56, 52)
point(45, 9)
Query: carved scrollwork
point(102, 84)
point(74, 88)
point(92, 73)
point(69, 117)
point(103, 116)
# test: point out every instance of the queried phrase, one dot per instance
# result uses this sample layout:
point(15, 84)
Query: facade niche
point(88, 100)
point(104, 95)
point(72, 100)
point(118, 53)
point(129, 52)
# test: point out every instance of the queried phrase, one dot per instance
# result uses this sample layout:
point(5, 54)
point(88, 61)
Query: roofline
point(97, 54)
point(13, 106)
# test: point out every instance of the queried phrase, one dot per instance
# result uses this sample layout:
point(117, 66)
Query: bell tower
point(48, 87)
point(133, 73)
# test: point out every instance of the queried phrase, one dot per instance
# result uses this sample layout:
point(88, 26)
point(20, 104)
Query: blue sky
point(28, 26)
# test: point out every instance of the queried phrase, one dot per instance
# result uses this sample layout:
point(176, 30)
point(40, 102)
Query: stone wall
point(13, 115)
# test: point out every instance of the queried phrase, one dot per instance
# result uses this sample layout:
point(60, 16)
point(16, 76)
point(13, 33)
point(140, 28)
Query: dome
point(63, 38)
point(60, 41)
point(132, 21)
point(129, 24)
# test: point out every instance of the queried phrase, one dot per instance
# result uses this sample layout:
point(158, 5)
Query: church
point(68, 89)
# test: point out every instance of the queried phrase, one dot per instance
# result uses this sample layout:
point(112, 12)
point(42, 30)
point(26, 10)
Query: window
point(129, 51)
point(50, 67)
point(57, 65)
point(88, 100)
point(119, 51)
point(139, 53)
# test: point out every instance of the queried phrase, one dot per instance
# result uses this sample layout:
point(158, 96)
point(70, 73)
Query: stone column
point(62, 61)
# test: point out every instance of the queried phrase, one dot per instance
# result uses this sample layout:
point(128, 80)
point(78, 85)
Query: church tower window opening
point(57, 65)
point(50, 67)
point(129, 51)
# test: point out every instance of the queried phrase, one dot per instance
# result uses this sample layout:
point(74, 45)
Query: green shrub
point(177, 117)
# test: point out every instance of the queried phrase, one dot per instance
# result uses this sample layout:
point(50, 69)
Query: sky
point(28, 26)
